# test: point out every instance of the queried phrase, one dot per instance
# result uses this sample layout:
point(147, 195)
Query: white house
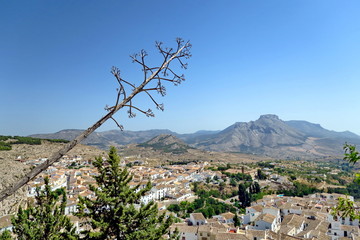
point(225, 217)
point(197, 219)
point(71, 206)
point(252, 213)
point(265, 221)
point(273, 211)
point(186, 232)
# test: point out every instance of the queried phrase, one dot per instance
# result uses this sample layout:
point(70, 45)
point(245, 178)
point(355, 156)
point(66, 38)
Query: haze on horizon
point(296, 59)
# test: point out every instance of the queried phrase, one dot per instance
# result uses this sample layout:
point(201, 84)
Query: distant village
point(272, 217)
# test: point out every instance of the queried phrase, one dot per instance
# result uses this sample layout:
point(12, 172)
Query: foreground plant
point(346, 207)
point(45, 219)
point(116, 212)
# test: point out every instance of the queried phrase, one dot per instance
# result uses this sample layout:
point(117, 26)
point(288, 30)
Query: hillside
point(316, 130)
point(273, 137)
point(267, 131)
point(12, 170)
point(166, 143)
point(106, 139)
point(267, 136)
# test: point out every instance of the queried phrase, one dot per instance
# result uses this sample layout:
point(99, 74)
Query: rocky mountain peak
point(269, 116)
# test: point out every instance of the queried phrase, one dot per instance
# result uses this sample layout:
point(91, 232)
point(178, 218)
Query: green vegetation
point(5, 235)
point(299, 190)
point(352, 189)
point(261, 175)
point(160, 144)
point(57, 140)
point(7, 141)
point(236, 220)
point(46, 219)
point(265, 165)
point(345, 207)
point(171, 148)
point(4, 146)
point(239, 176)
point(244, 196)
point(224, 168)
point(206, 204)
point(112, 214)
point(4, 138)
point(26, 140)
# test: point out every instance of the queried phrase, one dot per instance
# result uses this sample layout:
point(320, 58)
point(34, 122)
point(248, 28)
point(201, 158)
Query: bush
point(5, 146)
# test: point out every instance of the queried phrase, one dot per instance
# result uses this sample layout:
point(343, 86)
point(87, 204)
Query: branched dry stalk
point(158, 75)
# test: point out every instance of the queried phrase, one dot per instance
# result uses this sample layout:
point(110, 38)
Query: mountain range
point(267, 136)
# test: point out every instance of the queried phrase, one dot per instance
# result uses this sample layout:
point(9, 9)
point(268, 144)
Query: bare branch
point(119, 125)
point(182, 51)
point(130, 113)
point(158, 106)
point(148, 113)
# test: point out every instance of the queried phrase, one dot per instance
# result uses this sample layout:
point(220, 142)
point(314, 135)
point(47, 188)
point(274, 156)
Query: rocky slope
point(267, 131)
point(166, 143)
point(273, 137)
point(108, 138)
point(268, 136)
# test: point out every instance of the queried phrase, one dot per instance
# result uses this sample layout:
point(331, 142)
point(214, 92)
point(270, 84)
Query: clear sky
point(297, 59)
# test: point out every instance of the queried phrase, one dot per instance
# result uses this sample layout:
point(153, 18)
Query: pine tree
point(244, 196)
point(112, 213)
point(46, 219)
point(236, 220)
point(5, 235)
point(257, 188)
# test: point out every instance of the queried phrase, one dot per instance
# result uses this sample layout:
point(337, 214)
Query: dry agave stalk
point(157, 75)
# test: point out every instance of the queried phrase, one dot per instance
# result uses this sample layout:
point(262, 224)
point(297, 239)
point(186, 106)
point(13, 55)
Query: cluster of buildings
point(273, 217)
point(276, 217)
point(169, 182)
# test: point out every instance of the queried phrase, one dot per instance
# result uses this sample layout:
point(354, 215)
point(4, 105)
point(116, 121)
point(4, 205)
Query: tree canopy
point(116, 211)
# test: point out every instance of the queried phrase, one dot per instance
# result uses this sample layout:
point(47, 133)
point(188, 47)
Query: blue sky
point(297, 59)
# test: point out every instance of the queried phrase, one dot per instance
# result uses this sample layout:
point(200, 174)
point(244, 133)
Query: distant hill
point(315, 130)
point(267, 131)
point(106, 139)
point(270, 136)
point(267, 136)
point(166, 143)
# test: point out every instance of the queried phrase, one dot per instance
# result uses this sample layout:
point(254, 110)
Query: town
point(271, 216)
